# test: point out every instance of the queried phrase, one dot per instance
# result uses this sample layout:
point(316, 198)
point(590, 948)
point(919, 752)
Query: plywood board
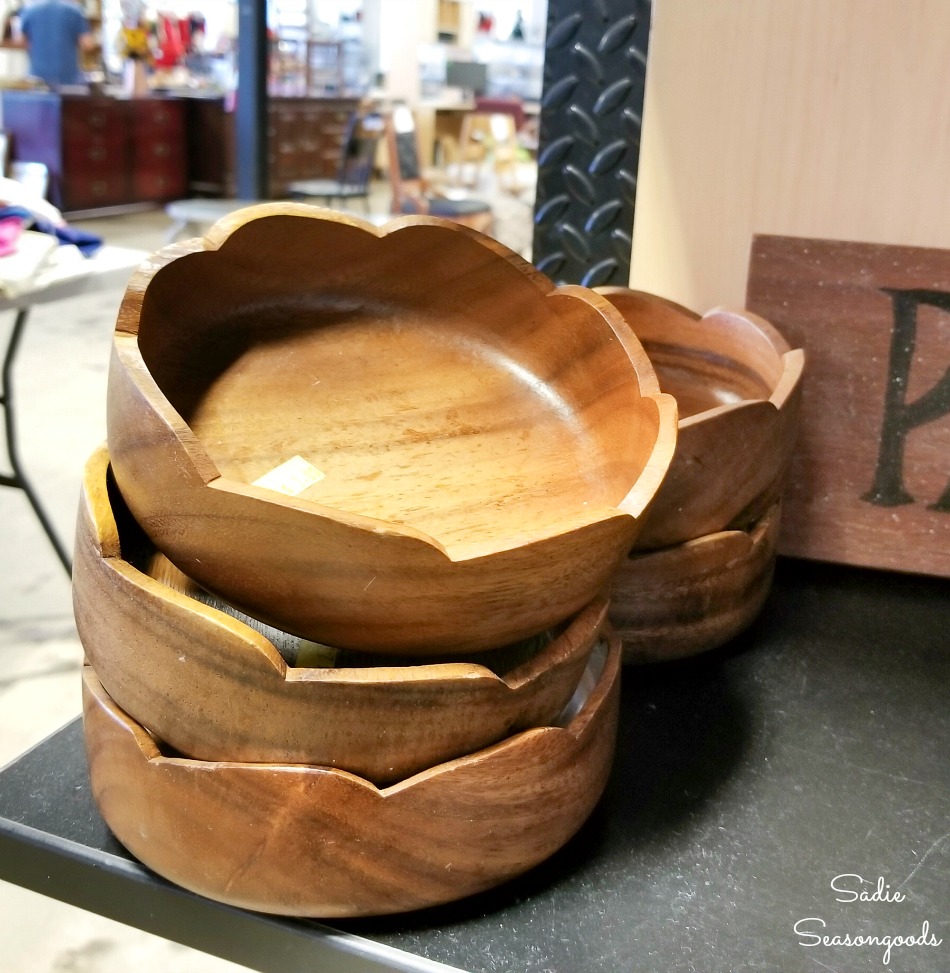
point(819, 118)
point(870, 482)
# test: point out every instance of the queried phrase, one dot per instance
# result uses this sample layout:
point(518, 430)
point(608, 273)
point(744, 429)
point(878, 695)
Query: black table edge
point(125, 891)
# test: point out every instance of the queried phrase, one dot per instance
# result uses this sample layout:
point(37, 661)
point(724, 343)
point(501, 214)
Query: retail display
point(468, 487)
point(305, 140)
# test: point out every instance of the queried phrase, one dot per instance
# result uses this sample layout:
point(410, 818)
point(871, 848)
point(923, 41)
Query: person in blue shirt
point(55, 31)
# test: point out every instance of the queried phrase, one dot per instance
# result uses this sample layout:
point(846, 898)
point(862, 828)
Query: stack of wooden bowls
point(701, 567)
point(342, 571)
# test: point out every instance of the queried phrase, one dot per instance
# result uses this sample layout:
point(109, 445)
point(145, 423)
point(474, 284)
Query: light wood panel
point(818, 118)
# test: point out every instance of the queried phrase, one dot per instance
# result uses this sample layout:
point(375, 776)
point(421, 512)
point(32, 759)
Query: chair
point(526, 124)
point(412, 193)
point(494, 136)
point(356, 165)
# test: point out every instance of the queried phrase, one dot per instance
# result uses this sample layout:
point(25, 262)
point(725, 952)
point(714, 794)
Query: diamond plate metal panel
point(591, 105)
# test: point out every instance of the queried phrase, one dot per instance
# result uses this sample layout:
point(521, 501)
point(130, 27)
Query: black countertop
point(812, 752)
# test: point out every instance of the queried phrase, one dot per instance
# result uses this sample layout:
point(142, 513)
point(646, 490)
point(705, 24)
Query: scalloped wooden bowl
point(313, 841)
point(695, 596)
point(216, 689)
point(738, 388)
point(488, 442)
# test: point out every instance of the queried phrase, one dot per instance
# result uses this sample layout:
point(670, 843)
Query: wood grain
point(869, 481)
point(808, 118)
point(310, 841)
point(489, 441)
point(216, 689)
point(694, 596)
point(737, 384)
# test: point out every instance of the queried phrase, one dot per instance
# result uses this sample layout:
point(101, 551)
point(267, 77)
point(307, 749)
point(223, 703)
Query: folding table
point(108, 268)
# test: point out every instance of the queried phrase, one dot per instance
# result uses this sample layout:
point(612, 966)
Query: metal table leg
point(17, 478)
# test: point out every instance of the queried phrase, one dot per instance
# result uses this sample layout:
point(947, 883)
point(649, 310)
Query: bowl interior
point(304, 653)
point(722, 358)
point(701, 380)
point(421, 378)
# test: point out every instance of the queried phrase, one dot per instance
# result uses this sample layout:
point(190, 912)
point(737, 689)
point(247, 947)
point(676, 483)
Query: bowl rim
point(570, 735)
point(634, 503)
point(788, 362)
point(460, 827)
point(108, 544)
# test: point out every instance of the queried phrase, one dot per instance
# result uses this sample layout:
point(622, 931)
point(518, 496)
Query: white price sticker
point(290, 478)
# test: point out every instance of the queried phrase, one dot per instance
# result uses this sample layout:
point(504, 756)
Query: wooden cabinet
point(89, 165)
point(305, 139)
point(158, 163)
point(100, 152)
point(449, 21)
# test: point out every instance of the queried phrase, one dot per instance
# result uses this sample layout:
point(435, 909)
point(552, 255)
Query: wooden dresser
point(101, 152)
point(304, 136)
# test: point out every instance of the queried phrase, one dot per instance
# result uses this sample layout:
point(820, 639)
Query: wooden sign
point(767, 116)
point(870, 481)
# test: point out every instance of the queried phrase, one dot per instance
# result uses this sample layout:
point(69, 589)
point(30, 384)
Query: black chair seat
point(411, 193)
point(439, 206)
point(356, 164)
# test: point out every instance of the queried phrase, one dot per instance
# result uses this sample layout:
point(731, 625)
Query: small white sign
point(290, 478)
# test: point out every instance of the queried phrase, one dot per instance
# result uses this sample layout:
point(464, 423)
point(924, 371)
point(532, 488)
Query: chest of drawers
point(305, 139)
point(100, 152)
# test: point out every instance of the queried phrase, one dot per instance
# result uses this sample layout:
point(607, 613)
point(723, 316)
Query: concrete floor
point(60, 383)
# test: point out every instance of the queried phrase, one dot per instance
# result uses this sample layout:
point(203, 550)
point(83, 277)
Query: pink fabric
point(10, 229)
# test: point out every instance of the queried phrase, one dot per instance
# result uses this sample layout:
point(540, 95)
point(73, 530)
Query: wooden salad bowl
point(215, 688)
point(695, 596)
point(314, 841)
point(471, 449)
point(738, 388)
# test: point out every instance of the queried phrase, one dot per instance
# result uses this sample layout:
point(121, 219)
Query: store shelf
point(746, 780)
